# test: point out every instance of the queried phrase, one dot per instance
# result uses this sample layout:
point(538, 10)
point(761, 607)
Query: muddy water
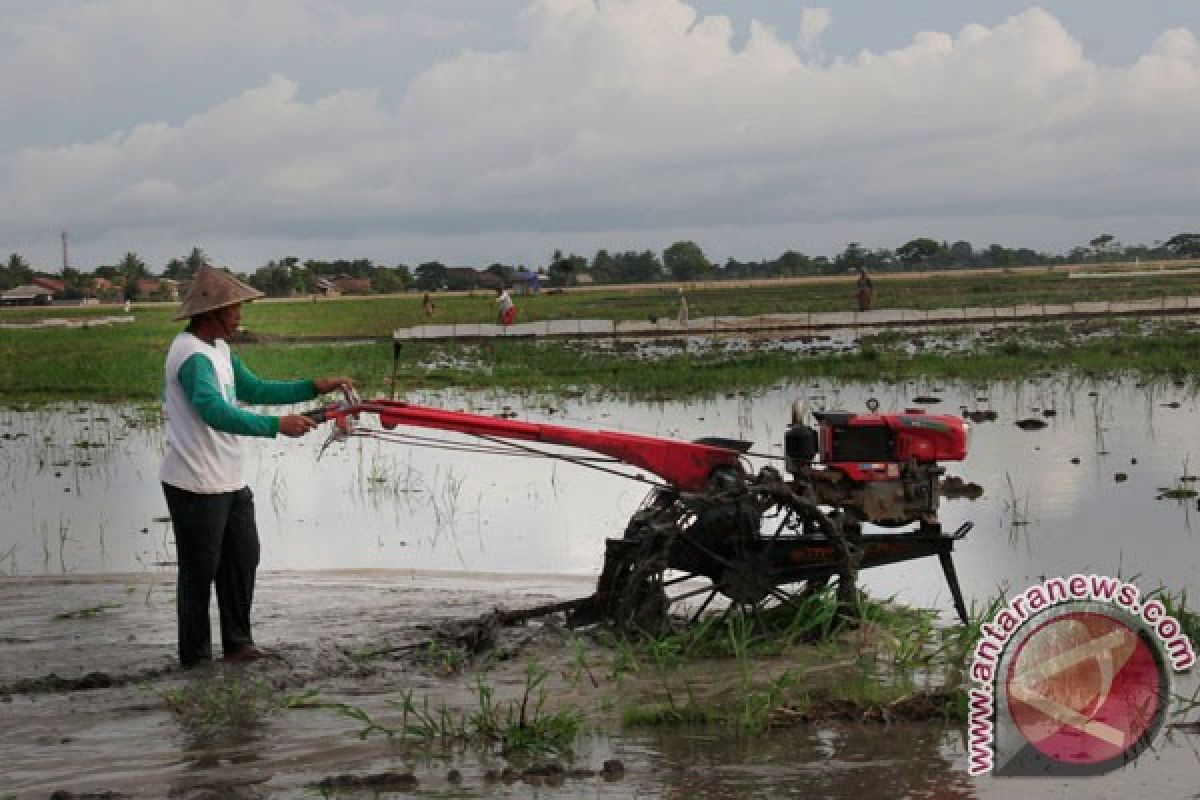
point(78, 490)
point(90, 590)
point(104, 727)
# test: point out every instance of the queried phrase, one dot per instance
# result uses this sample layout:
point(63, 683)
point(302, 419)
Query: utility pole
point(65, 262)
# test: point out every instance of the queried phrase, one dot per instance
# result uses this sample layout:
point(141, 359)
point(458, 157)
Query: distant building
point(27, 295)
point(346, 284)
point(525, 282)
point(54, 285)
point(159, 288)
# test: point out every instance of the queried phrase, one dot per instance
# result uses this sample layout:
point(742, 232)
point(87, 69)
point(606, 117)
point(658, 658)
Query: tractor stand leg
point(952, 581)
point(847, 591)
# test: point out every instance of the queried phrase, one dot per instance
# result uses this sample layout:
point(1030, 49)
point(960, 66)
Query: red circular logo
point(1085, 688)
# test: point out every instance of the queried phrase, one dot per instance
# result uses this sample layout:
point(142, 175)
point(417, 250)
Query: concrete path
point(65, 322)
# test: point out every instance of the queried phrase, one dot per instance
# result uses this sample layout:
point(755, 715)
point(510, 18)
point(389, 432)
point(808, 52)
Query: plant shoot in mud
point(520, 726)
point(1182, 489)
point(227, 701)
point(525, 726)
point(1176, 605)
point(1016, 509)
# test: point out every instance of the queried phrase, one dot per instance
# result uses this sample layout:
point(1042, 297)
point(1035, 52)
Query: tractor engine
point(878, 468)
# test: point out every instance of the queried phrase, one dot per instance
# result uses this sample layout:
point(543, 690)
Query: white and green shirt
point(204, 384)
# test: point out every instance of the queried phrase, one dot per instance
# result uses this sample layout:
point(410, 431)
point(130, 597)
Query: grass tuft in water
point(227, 701)
point(520, 727)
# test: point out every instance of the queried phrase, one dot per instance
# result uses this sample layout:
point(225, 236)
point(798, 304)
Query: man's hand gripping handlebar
point(342, 413)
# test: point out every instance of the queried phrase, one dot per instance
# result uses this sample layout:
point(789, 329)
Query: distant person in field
point(683, 308)
point(427, 304)
point(211, 507)
point(865, 290)
point(505, 307)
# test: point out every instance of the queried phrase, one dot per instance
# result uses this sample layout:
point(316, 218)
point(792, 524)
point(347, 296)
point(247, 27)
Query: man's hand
point(324, 385)
point(295, 425)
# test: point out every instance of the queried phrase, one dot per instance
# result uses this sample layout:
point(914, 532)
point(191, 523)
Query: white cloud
point(813, 22)
point(639, 115)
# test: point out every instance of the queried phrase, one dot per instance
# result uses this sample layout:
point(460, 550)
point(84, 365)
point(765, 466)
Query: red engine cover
point(924, 438)
point(928, 437)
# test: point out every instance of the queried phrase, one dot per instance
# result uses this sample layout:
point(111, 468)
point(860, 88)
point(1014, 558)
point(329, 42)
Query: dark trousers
point(216, 541)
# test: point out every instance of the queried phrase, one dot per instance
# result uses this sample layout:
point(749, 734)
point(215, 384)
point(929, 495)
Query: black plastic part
point(862, 443)
point(736, 445)
point(799, 446)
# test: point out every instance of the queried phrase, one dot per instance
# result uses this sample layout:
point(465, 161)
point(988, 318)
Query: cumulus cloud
point(813, 22)
point(641, 115)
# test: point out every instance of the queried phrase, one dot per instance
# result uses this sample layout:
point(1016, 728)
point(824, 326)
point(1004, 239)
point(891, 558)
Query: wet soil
point(88, 684)
point(84, 695)
point(92, 693)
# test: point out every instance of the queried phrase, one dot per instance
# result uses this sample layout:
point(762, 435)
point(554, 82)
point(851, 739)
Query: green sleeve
point(252, 389)
point(199, 382)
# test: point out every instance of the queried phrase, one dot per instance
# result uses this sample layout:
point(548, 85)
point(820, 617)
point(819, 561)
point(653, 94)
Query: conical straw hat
point(211, 289)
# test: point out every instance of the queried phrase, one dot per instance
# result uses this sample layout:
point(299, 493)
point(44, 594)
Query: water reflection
point(842, 761)
point(80, 494)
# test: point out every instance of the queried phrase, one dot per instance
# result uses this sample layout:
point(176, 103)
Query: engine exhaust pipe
point(799, 411)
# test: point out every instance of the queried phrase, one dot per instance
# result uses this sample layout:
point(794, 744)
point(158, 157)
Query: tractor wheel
point(687, 556)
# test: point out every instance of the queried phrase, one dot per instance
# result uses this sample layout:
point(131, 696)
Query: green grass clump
point(226, 702)
point(800, 663)
point(1176, 605)
point(519, 727)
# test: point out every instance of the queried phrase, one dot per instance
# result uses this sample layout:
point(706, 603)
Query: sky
point(481, 131)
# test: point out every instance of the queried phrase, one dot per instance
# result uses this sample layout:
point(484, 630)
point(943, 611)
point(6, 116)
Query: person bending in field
point(211, 507)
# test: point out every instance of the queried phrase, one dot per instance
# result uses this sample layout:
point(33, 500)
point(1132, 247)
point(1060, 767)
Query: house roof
point(53, 284)
point(26, 292)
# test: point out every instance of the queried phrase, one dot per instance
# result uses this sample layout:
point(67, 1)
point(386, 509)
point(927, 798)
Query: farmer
point(865, 290)
point(212, 508)
point(505, 306)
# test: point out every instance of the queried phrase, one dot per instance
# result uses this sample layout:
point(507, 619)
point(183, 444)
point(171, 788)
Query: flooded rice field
point(1096, 477)
point(372, 543)
point(910, 339)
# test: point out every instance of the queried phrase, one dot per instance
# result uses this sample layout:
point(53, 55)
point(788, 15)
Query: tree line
point(682, 261)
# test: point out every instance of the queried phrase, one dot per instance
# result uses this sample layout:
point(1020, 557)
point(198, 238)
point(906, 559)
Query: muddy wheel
point(687, 556)
point(747, 585)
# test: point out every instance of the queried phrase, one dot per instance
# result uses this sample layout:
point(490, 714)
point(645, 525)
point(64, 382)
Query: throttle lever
point(317, 415)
